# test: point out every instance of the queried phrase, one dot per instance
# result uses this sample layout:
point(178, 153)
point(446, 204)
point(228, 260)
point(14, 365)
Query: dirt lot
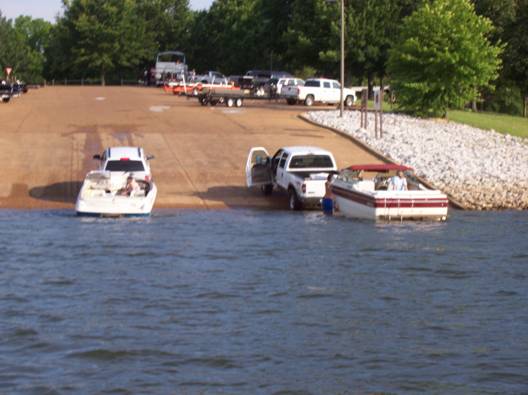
point(48, 138)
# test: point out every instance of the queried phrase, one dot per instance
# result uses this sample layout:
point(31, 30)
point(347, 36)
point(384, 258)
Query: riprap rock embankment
point(482, 170)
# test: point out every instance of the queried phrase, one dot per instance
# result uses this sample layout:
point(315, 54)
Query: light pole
point(341, 94)
point(342, 103)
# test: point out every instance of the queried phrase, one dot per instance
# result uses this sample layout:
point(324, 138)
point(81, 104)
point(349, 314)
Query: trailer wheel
point(291, 102)
point(230, 102)
point(239, 102)
point(293, 201)
point(309, 101)
point(203, 100)
point(195, 92)
point(213, 102)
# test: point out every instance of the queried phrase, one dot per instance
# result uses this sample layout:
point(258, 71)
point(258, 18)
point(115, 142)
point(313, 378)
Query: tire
point(293, 201)
point(195, 92)
point(291, 102)
point(309, 101)
point(203, 101)
point(267, 189)
point(213, 102)
point(230, 102)
point(239, 102)
point(349, 101)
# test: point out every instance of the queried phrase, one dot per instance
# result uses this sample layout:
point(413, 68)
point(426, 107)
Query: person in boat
point(327, 204)
point(398, 182)
point(131, 187)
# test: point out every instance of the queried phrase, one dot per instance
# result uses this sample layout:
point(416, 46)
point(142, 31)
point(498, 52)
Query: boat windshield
point(311, 161)
point(124, 165)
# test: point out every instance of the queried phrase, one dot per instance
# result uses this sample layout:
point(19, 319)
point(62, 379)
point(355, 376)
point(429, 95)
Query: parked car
point(300, 171)
point(259, 78)
point(5, 92)
point(320, 90)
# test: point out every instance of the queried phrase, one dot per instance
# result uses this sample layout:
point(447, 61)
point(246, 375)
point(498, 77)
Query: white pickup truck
point(318, 90)
point(300, 171)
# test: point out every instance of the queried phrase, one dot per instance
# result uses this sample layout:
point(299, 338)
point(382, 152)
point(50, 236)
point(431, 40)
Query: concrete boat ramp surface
point(48, 138)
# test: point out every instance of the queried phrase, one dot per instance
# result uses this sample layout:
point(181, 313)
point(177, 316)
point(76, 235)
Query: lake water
point(262, 302)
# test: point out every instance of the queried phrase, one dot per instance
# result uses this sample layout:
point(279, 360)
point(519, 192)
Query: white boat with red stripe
point(364, 191)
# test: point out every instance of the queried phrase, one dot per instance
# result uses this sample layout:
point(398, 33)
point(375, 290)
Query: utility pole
point(342, 103)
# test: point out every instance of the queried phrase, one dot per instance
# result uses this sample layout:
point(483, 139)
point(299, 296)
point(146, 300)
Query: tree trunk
point(370, 84)
point(525, 107)
point(474, 105)
point(103, 81)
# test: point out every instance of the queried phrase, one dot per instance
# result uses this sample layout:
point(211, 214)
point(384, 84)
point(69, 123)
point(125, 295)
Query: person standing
point(327, 203)
point(398, 182)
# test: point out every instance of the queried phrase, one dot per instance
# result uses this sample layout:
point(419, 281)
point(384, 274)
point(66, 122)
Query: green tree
point(275, 17)
point(22, 46)
point(372, 27)
point(34, 33)
point(504, 98)
point(106, 36)
point(443, 57)
point(169, 21)
point(516, 54)
point(313, 36)
point(226, 37)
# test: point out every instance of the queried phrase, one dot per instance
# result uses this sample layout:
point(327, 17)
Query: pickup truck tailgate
point(314, 188)
point(290, 91)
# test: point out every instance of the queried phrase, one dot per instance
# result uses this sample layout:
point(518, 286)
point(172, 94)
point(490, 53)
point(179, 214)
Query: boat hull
point(391, 205)
point(116, 206)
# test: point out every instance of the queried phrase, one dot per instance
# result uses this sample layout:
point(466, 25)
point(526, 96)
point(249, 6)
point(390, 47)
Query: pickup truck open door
point(258, 170)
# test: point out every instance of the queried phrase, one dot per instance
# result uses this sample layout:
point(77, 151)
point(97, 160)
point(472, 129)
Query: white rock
point(466, 162)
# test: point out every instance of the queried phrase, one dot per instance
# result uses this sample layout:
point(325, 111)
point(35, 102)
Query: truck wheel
point(239, 102)
point(267, 189)
point(309, 101)
point(293, 201)
point(203, 101)
point(213, 102)
point(291, 102)
point(349, 101)
point(195, 92)
point(230, 102)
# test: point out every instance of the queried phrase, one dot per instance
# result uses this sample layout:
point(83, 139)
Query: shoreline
point(477, 169)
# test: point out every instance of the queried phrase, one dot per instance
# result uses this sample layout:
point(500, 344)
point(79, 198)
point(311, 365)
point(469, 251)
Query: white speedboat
point(361, 191)
point(104, 194)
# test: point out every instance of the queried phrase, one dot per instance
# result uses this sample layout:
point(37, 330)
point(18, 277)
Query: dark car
point(17, 88)
point(262, 77)
point(6, 92)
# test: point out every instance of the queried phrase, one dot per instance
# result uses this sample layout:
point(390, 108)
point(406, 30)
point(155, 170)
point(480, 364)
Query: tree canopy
point(22, 46)
point(115, 39)
point(443, 57)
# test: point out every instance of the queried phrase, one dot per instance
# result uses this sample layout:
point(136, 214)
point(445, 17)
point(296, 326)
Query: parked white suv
point(320, 90)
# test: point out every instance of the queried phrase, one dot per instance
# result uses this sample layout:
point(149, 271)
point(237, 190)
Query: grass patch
point(502, 123)
point(506, 124)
